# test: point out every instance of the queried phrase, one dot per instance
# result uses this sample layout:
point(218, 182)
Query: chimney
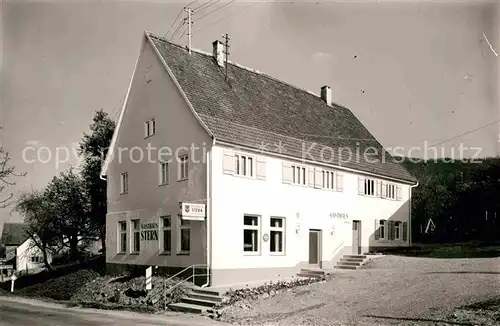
point(218, 52)
point(326, 94)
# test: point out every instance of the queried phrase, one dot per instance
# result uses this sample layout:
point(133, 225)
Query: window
point(122, 244)
point(369, 187)
point(299, 175)
point(185, 237)
point(36, 259)
point(250, 234)
point(397, 231)
point(164, 173)
point(390, 191)
point(244, 165)
point(124, 183)
point(136, 236)
point(382, 232)
point(277, 234)
point(166, 234)
point(328, 179)
point(149, 128)
point(183, 167)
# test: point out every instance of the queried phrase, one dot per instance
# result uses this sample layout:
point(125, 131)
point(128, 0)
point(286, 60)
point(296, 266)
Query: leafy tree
point(93, 148)
point(38, 214)
point(71, 212)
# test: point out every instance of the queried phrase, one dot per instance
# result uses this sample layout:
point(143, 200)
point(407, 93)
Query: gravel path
point(390, 290)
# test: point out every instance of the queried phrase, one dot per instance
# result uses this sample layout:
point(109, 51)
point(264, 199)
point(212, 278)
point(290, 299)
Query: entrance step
point(311, 273)
point(351, 261)
point(197, 301)
point(187, 307)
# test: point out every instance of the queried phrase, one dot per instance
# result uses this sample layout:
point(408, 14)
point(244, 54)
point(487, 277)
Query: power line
point(210, 3)
point(184, 33)
point(180, 13)
point(227, 4)
point(224, 18)
point(466, 133)
point(176, 31)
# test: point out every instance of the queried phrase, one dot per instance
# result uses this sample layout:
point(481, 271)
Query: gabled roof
point(257, 111)
point(14, 234)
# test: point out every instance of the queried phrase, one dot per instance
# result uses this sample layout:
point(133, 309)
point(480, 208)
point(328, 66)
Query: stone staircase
point(351, 261)
point(198, 301)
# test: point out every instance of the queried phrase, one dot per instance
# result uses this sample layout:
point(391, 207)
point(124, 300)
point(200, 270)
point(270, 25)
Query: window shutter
point(391, 235)
point(287, 175)
point(310, 176)
point(398, 192)
point(228, 162)
point(318, 178)
point(405, 231)
point(377, 230)
point(361, 185)
point(378, 185)
point(260, 168)
point(383, 192)
point(339, 181)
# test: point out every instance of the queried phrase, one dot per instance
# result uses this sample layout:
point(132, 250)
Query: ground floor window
point(381, 228)
point(251, 234)
point(122, 242)
point(397, 230)
point(277, 237)
point(166, 234)
point(136, 237)
point(184, 245)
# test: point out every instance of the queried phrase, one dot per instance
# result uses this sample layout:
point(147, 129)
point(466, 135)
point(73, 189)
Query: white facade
point(29, 257)
point(268, 194)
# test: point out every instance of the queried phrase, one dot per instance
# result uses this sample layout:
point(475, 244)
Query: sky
point(414, 73)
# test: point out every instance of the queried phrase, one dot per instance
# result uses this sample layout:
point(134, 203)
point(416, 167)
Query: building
point(20, 251)
point(243, 173)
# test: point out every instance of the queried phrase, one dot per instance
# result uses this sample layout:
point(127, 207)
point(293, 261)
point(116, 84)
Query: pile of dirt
point(59, 288)
point(128, 291)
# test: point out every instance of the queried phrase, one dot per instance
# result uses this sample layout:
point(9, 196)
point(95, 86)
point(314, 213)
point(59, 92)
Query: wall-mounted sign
point(149, 232)
point(339, 215)
point(193, 212)
point(265, 237)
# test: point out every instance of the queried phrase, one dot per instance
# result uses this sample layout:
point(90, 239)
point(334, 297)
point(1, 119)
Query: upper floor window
point(328, 179)
point(124, 183)
point(299, 175)
point(164, 173)
point(149, 128)
point(183, 167)
point(369, 187)
point(390, 190)
point(244, 165)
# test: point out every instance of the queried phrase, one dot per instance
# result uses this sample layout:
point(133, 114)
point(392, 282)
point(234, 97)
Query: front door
point(314, 247)
point(356, 237)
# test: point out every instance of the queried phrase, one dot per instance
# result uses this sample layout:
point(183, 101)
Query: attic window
point(149, 128)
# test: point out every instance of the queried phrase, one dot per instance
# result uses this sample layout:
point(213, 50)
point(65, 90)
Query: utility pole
point(226, 50)
point(190, 23)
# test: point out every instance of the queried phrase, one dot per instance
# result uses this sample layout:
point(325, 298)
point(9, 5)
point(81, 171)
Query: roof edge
point(170, 73)
point(109, 154)
point(249, 69)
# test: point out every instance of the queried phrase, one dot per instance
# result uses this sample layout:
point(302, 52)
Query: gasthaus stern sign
point(192, 212)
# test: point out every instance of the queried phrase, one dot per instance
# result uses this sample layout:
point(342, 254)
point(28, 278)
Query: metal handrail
point(193, 275)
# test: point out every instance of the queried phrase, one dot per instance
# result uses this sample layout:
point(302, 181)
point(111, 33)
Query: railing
point(191, 277)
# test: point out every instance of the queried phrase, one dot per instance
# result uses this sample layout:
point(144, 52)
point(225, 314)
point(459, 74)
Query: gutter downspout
point(410, 222)
point(209, 213)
